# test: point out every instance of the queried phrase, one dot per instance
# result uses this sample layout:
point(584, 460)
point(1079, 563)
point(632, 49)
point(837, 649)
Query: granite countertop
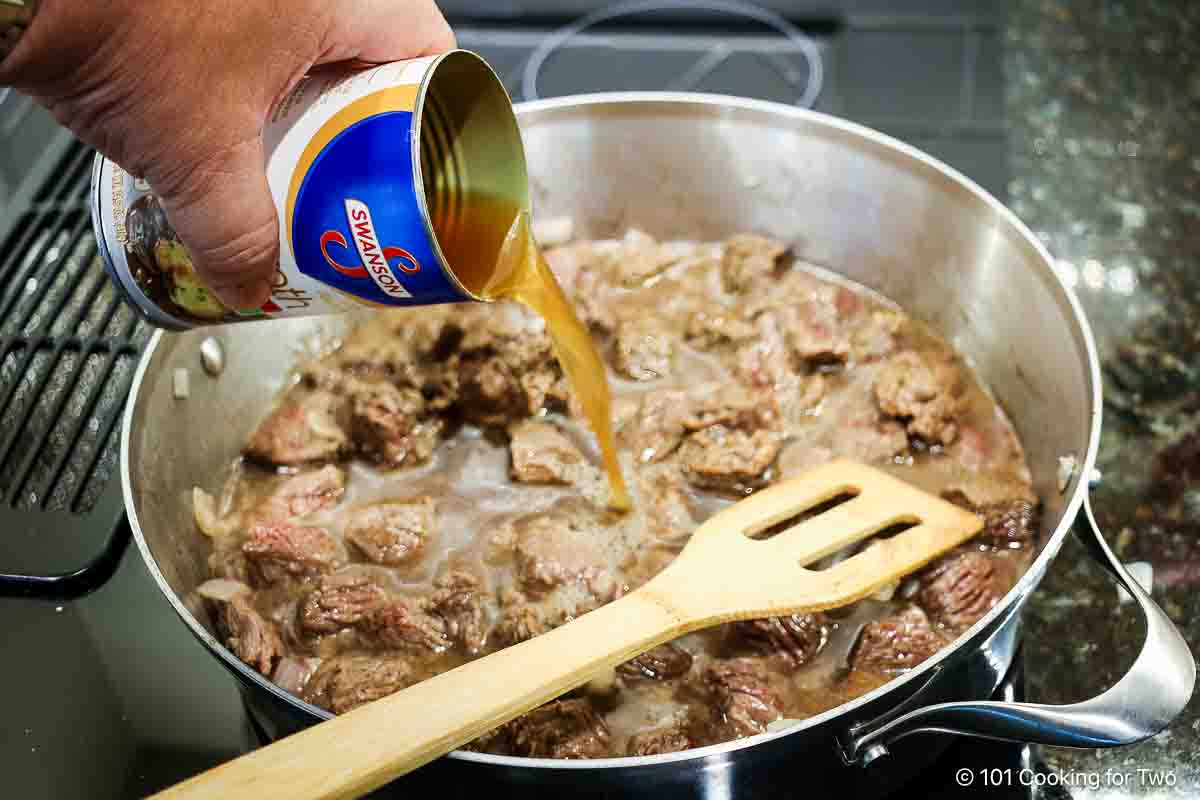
point(1104, 113)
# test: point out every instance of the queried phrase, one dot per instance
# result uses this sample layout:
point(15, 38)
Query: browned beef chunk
point(304, 428)
point(279, 551)
point(346, 682)
point(660, 740)
point(727, 459)
point(590, 304)
point(796, 637)
point(643, 349)
point(303, 493)
point(897, 643)
point(397, 626)
point(749, 258)
point(391, 533)
point(742, 696)
point(1009, 523)
point(403, 349)
point(456, 601)
point(669, 512)
point(663, 663)
point(730, 405)
point(340, 601)
point(641, 258)
point(390, 426)
point(250, 637)
point(542, 454)
point(560, 547)
point(871, 440)
point(715, 325)
point(562, 729)
point(766, 361)
point(957, 590)
point(519, 623)
point(658, 425)
point(507, 373)
point(923, 393)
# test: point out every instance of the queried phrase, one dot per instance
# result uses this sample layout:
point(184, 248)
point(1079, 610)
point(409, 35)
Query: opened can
point(379, 176)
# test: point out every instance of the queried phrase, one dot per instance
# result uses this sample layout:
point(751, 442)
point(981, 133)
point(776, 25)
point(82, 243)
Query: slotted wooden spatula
point(737, 565)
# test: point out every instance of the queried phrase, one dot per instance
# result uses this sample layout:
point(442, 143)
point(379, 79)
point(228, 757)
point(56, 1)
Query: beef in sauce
point(429, 492)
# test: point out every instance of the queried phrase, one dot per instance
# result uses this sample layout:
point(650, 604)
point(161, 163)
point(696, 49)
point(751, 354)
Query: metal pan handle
point(1142, 703)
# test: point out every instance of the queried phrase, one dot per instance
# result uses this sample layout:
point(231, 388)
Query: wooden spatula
point(736, 566)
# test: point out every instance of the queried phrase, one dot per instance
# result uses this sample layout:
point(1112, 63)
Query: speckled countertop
point(1104, 113)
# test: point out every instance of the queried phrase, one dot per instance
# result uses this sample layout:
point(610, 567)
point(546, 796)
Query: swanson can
point(385, 179)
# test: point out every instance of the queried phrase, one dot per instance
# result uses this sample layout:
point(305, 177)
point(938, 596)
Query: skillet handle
point(1142, 703)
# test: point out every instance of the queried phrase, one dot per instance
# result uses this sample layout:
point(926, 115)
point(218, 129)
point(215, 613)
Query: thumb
point(222, 211)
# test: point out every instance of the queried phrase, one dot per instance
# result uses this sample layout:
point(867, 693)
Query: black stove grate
point(68, 351)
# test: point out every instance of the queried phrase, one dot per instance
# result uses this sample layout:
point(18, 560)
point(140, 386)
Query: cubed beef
point(519, 623)
point(457, 601)
point(731, 405)
point(562, 729)
point(278, 551)
point(640, 258)
point(303, 493)
point(304, 428)
point(662, 663)
point(923, 393)
point(657, 427)
point(1010, 524)
point(559, 547)
point(957, 590)
point(655, 742)
point(541, 453)
point(669, 513)
point(728, 459)
point(346, 682)
point(340, 601)
point(715, 326)
point(796, 638)
point(766, 361)
point(748, 258)
point(507, 374)
point(398, 347)
point(589, 302)
point(396, 625)
point(251, 638)
point(643, 349)
point(870, 440)
point(812, 327)
point(897, 643)
point(874, 337)
point(391, 533)
point(389, 425)
point(742, 696)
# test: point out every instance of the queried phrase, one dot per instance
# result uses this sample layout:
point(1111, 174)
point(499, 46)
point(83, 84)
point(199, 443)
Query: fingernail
point(247, 297)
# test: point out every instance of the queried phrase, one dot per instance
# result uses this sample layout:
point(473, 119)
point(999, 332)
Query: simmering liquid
point(520, 273)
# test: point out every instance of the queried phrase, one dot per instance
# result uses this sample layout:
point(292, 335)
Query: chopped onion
point(221, 589)
point(211, 524)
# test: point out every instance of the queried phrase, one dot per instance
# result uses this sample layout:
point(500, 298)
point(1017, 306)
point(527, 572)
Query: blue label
point(357, 224)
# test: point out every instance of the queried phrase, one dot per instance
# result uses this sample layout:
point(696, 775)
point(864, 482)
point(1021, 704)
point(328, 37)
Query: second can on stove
point(377, 175)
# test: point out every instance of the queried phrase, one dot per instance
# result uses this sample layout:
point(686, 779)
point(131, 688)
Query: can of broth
point(388, 182)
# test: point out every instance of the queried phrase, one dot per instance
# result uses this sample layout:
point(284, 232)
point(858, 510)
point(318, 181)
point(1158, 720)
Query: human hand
point(177, 92)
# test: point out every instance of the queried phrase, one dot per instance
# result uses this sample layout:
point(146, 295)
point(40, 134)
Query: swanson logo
point(376, 261)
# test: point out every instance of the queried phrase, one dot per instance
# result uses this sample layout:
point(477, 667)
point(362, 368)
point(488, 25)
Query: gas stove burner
point(808, 85)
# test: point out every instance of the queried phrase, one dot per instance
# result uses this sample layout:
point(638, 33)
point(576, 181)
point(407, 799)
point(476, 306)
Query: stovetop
point(109, 695)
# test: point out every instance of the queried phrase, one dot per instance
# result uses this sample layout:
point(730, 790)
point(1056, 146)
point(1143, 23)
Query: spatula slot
point(896, 528)
point(789, 522)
